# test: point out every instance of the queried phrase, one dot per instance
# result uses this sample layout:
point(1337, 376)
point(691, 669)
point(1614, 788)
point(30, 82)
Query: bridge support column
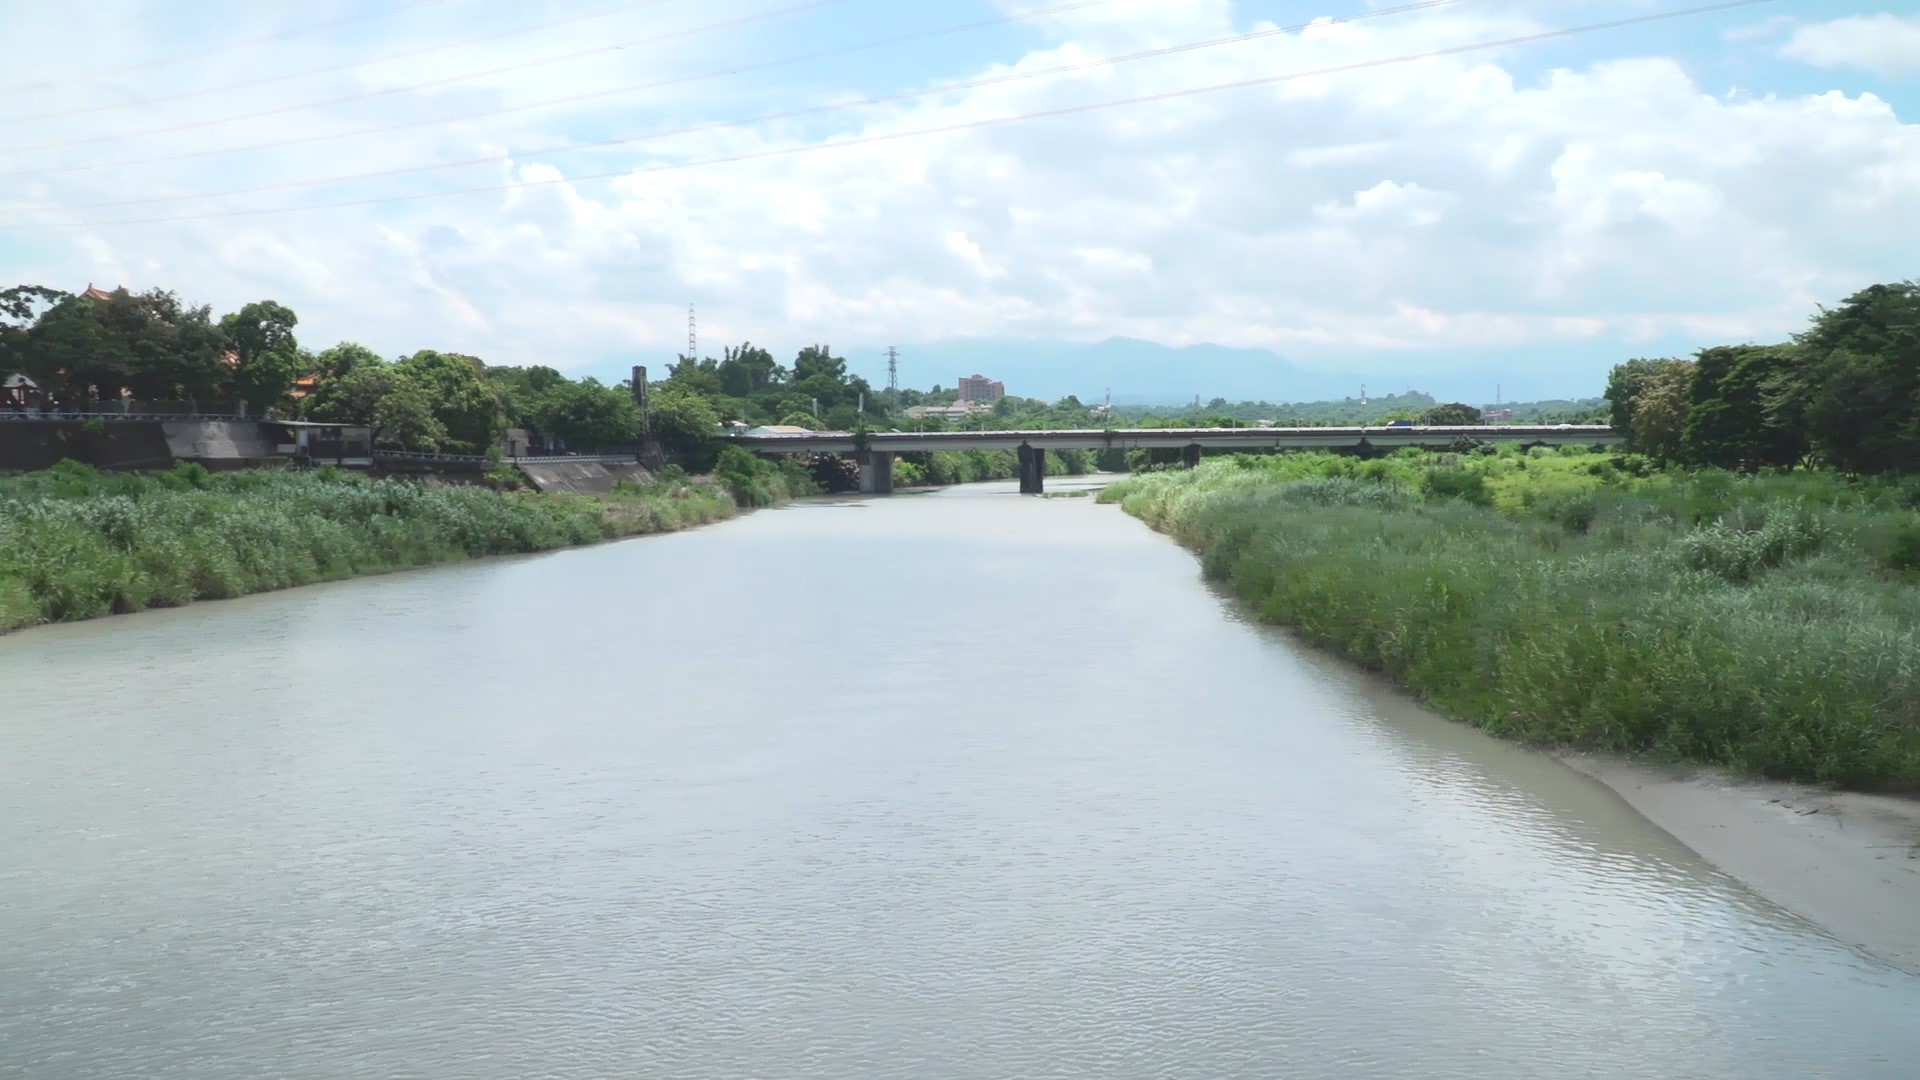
point(876, 472)
point(1033, 470)
point(1190, 456)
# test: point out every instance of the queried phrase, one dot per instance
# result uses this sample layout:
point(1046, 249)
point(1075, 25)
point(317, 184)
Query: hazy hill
point(1145, 372)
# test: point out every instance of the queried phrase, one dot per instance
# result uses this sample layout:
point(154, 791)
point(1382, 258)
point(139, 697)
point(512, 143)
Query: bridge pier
point(1190, 456)
point(1033, 470)
point(876, 471)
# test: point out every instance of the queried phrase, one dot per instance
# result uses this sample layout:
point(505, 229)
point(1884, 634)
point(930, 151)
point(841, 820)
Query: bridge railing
point(33, 414)
point(529, 459)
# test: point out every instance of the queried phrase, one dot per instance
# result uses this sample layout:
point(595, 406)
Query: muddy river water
point(960, 784)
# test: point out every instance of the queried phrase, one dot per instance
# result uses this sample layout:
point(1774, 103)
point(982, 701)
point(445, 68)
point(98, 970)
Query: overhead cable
point(790, 114)
point(969, 125)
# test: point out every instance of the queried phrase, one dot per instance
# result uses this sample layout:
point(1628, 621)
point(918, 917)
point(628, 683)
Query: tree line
point(89, 352)
point(1843, 393)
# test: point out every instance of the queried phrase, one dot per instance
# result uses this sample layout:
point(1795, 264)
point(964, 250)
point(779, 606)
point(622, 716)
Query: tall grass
point(1769, 624)
point(75, 544)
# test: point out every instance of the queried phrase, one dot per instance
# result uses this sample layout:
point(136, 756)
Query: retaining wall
point(583, 478)
point(26, 445)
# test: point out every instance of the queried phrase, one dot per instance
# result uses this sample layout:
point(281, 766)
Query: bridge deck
point(841, 442)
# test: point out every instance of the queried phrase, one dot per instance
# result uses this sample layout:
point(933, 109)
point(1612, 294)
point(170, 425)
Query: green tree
point(520, 388)
point(1452, 414)
point(1740, 414)
point(683, 420)
point(1659, 410)
point(748, 371)
point(1624, 386)
point(397, 409)
point(343, 358)
point(266, 355)
point(177, 349)
point(71, 349)
point(20, 309)
point(587, 415)
point(404, 416)
point(463, 401)
point(1862, 386)
point(699, 376)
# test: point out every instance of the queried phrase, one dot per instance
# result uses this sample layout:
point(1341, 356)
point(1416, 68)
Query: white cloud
point(1887, 45)
point(1455, 202)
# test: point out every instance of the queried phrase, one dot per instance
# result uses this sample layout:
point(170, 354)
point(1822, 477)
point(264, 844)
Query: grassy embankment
point(75, 543)
point(1770, 624)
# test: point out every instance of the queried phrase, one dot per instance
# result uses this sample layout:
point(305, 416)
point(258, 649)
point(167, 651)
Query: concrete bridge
point(876, 449)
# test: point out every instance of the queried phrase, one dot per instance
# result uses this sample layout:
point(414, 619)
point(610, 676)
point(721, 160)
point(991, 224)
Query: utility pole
point(893, 377)
point(639, 387)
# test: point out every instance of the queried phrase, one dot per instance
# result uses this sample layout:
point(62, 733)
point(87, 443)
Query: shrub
point(1458, 483)
point(1903, 555)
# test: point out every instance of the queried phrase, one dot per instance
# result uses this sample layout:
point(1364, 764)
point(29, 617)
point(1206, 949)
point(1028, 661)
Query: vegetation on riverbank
point(76, 544)
point(1767, 623)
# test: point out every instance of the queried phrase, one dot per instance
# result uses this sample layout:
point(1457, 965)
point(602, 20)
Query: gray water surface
point(952, 785)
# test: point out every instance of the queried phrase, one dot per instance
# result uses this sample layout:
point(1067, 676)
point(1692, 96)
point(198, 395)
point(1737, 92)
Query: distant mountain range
point(1145, 372)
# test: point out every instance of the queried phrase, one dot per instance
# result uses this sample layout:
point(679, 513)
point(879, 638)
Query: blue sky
point(1540, 211)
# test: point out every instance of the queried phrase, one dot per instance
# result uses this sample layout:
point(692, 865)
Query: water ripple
point(952, 787)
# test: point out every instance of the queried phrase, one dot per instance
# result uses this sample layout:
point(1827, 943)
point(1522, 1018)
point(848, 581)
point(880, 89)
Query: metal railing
point(35, 414)
point(562, 459)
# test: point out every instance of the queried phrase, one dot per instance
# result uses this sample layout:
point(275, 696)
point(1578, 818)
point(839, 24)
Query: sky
point(1384, 189)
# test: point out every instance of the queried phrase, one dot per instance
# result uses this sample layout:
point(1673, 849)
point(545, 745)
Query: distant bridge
point(875, 452)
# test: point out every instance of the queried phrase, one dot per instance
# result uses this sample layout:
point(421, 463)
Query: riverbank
point(1375, 562)
point(1767, 625)
point(77, 544)
point(1844, 861)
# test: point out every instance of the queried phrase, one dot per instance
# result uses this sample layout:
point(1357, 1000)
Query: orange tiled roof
point(96, 294)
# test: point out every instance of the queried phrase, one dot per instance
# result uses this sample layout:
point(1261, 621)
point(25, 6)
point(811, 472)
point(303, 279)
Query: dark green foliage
point(758, 482)
point(1903, 554)
point(1743, 413)
point(1845, 393)
point(1457, 483)
point(1452, 415)
point(464, 403)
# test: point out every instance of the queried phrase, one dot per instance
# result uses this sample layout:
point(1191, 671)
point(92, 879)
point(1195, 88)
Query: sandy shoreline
point(1847, 862)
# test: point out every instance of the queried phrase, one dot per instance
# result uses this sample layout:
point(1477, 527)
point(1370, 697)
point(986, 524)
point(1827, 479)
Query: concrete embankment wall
point(221, 444)
point(583, 478)
point(26, 445)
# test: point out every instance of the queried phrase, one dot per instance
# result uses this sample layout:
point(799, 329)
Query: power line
point(180, 58)
point(389, 58)
point(824, 54)
point(715, 125)
point(970, 125)
point(364, 95)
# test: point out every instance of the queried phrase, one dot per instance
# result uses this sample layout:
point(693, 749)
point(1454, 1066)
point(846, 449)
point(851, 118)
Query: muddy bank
point(1847, 862)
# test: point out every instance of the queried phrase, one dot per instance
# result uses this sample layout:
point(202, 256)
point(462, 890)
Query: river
point(945, 785)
